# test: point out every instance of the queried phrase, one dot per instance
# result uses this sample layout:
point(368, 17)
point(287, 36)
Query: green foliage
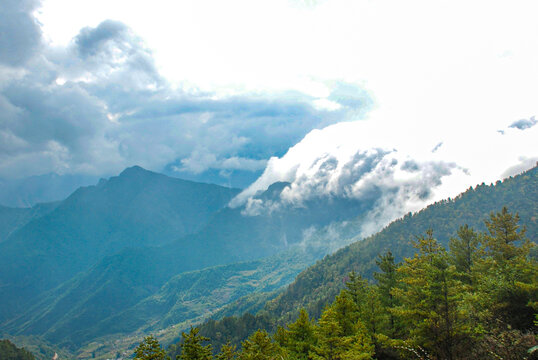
point(429, 299)
point(192, 348)
point(507, 274)
point(8, 351)
point(335, 342)
point(460, 276)
point(227, 352)
point(298, 339)
point(463, 251)
point(259, 346)
point(472, 302)
point(387, 282)
point(150, 349)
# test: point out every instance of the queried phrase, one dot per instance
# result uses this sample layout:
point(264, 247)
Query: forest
point(475, 300)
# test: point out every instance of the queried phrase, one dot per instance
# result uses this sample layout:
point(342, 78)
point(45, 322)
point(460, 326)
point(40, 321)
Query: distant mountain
point(135, 209)
point(319, 284)
point(92, 304)
point(29, 191)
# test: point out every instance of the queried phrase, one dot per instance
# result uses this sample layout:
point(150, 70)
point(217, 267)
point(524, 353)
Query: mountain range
point(122, 256)
point(317, 286)
point(145, 253)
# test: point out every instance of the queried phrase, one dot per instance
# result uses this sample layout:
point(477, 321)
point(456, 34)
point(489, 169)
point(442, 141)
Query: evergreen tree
point(430, 300)
point(330, 340)
point(259, 346)
point(227, 352)
point(387, 280)
point(507, 277)
point(373, 315)
point(463, 251)
point(298, 339)
point(355, 288)
point(360, 346)
point(504, 234)
point(347, 312)
point(150, 349)
point(192, 348)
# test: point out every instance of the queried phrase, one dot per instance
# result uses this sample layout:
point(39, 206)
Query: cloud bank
point(99, 104)
point(370, 161)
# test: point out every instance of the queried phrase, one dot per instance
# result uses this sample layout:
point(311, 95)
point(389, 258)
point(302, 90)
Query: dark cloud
point(523, 124)
point(20, 34)
point(100, 104)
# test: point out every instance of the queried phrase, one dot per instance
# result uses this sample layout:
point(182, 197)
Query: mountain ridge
point(135, 209)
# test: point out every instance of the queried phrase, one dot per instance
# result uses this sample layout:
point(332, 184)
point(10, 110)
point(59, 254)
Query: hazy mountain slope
point(94, 304)
point(79, 310)
point(135, 209)
point(12, 219)
point(319, 284)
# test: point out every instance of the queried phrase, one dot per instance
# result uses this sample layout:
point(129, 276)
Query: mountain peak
point(273, 191)
point(134, 170)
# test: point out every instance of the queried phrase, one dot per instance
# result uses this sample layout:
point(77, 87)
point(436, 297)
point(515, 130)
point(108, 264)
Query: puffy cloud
point(99, 104)
point(374, 163)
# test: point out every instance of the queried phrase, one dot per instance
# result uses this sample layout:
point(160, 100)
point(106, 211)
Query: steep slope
point(76, 311)
point(135, 209)
point(119, 294)
point(319, 284)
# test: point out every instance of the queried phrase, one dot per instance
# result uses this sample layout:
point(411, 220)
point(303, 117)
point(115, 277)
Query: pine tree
point(355, 288)
point(507, 278)
point(192, 348)
point(298, 339)
point(387, 280)
point(360, 346)
point(347, 312)
point(259, 346)
point(431, 300)
point(331, 342)
point(150, 349)
point(334, 344)
point(227, 352)
point(503, 237)
point(463, 251)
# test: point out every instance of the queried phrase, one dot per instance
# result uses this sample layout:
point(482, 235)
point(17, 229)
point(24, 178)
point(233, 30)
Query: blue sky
point(222, 91)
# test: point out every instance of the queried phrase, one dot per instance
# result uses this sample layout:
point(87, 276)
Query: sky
point(419, 98)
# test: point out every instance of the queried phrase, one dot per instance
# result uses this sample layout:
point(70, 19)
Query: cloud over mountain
point(375, 161)
point(100, 104)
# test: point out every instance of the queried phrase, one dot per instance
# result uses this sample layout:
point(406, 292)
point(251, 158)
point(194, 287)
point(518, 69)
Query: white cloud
point(372, 161)
point(451, 72)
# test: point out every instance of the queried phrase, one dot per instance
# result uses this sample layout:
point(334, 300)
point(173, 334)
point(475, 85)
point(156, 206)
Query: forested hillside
point(477, 300)
point(141, 211)
point(8, 351)
point(318, 285)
